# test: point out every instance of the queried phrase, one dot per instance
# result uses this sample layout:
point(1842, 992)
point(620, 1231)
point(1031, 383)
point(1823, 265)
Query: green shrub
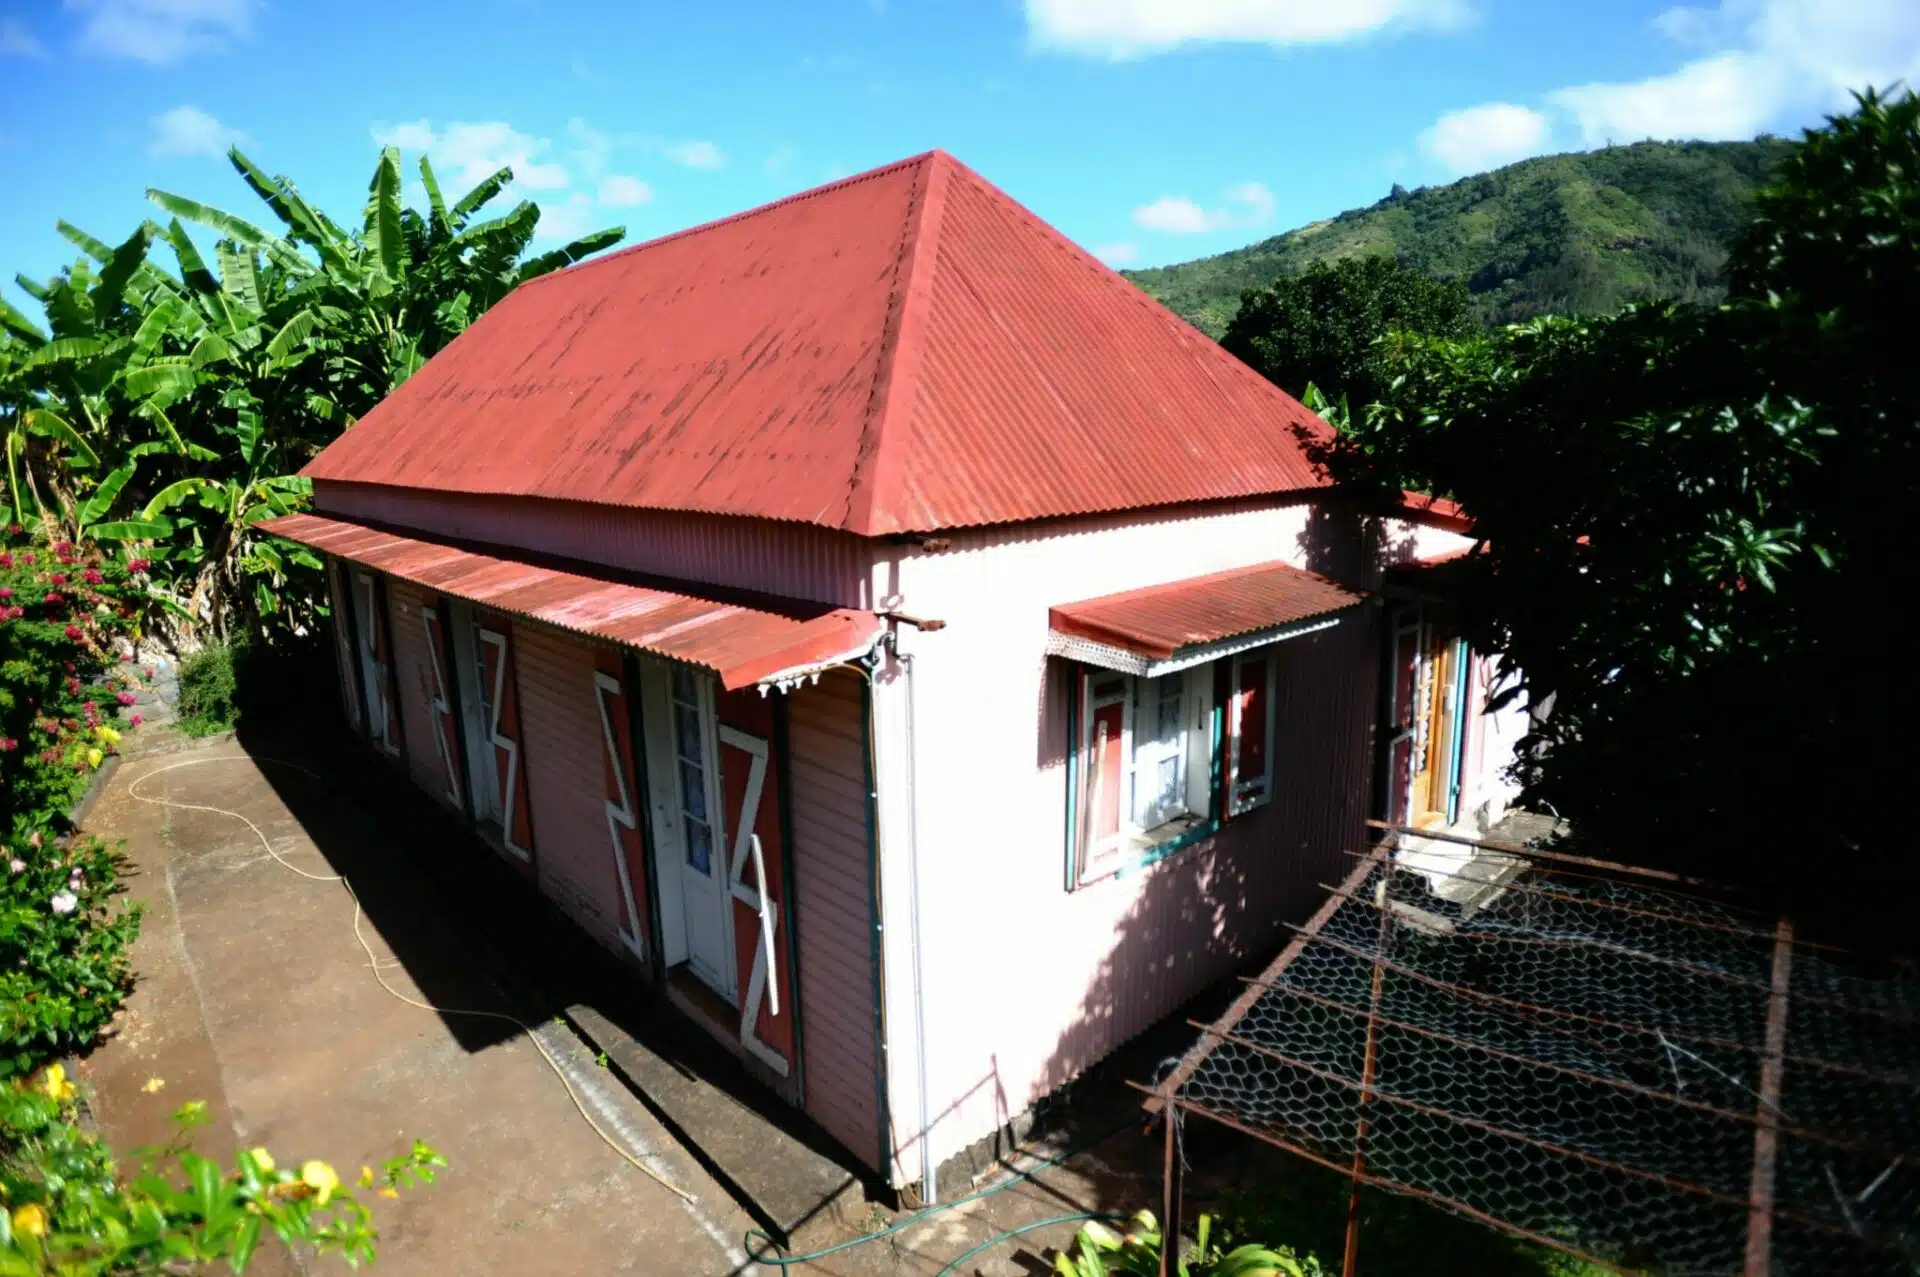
point(65, 1208)
point(63, 948)
point(207, 687)
point(64, 609)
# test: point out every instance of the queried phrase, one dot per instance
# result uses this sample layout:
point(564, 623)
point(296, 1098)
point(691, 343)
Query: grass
point(207, 685)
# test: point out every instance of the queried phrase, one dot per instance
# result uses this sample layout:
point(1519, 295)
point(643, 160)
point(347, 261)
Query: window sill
point(1147, 850)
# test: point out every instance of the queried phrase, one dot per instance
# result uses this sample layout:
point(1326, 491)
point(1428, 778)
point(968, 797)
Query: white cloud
point(160, 31)
point(1762, 63)
point(565, 219)
point(413, 135)
point(1179, 215)
point(467, 154)
point(188, 131)
point(16, 41)
point(620, 191)
point(1133, 28)
point(702, 155)
point(590, 146)
point(1483, 137)
point(1117, 254)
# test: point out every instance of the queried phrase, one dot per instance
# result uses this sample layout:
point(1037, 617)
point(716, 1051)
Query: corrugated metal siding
point(906, 350)
point(1026, 983)
point(787, 559)
point(826, 741)
point(413, 672)
point(560, 731)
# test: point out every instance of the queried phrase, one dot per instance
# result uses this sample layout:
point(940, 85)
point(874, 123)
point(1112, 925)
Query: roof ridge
point(877, 470)
point(825, 188)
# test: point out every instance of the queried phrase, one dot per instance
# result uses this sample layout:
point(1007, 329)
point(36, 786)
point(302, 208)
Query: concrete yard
point(255, 997)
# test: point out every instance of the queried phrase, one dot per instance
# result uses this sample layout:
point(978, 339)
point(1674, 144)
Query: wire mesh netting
point(1650, 1080)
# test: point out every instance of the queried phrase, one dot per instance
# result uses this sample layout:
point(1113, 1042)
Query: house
point(898, 638)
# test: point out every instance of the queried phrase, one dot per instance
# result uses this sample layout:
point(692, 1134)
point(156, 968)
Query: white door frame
point(685, 894)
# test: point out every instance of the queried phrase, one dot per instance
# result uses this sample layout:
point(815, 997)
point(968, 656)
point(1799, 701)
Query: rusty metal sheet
point(1159, 620)
point(902, 351)
point(742, 642)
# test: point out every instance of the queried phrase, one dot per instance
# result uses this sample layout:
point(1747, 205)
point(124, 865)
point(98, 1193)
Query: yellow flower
point(154, 1084)
point(320, 1178)
point(264, 1160)
point(54, 1083)
point(389, 1192)
point(94, 756)
point(107, 734)
point(366, 1177)
point(31, 1219)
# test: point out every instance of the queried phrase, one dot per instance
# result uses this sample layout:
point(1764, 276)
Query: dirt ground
point(255, 997)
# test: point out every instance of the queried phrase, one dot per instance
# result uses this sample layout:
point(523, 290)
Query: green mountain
point(1579, 233)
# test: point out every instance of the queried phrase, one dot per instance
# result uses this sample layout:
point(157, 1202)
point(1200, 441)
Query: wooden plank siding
point(564, 758)
point(827, 741)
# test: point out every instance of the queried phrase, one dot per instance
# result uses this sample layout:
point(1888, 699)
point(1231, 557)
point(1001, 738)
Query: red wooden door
point(756, 865)
point(612, 695)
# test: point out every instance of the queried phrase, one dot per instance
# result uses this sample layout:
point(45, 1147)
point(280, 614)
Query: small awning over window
point(1164, 628)
point(744, 640)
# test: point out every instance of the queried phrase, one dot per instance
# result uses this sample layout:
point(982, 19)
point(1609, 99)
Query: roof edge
point(879, 472)
point(925, 157)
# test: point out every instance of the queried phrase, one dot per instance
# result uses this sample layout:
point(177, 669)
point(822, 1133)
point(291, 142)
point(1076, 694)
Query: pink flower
point(138, 566)
point(125, 698)
point(18, 866)
point(64, 902)
point(73, 632)
point(92, 576)
point(54, 599)
point(8, 744)
point(134, 719)
point(26, 556)
point(58, 578)
point(33, 839)
point(6, 558)
point(5, 593)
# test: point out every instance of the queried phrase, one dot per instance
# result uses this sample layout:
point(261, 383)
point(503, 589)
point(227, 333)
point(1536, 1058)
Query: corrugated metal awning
point(1164, 628)
point(764, 641)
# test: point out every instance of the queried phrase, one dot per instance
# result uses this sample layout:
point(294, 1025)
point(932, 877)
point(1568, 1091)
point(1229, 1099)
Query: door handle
point(766, 928)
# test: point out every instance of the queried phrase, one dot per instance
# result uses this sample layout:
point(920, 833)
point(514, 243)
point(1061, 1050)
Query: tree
point(1320, 327)
point(1695, 536)
point(172, 408)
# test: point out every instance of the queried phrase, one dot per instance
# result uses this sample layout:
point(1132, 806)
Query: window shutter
point(341, 605)
point(1250, 731)
point(446, 738)
point(1102, 771)
point(516, 821)
point(760, 902)
point(622, 795)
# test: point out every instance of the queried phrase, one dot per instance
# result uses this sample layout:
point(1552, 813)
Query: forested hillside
point(1577, 233)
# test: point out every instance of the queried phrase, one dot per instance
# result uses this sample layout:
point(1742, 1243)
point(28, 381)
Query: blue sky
point(1148, 130)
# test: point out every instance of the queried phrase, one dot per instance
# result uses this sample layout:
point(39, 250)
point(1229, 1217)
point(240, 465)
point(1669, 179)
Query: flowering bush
point(64, 933)
point(65, 609)
point(65, 1209)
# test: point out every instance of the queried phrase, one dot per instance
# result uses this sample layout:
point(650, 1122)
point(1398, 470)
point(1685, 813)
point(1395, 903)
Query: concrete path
point(255, 997)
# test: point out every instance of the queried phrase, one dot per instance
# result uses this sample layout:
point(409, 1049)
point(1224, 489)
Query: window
point(1161, 760)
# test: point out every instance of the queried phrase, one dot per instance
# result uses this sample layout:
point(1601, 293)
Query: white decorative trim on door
point(756, 898)
point(509, 806)
point(442, 708)
point(618, 814)
point(382, 673)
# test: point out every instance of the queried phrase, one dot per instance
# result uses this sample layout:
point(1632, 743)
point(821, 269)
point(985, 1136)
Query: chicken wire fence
point(1585, 1057)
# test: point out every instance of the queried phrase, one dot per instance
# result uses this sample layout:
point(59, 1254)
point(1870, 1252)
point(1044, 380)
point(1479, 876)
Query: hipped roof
point(902, 351)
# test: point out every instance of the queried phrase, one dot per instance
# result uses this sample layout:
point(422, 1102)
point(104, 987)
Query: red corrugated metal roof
point(744, 644)
point(1160, 620)
point(902, 351)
